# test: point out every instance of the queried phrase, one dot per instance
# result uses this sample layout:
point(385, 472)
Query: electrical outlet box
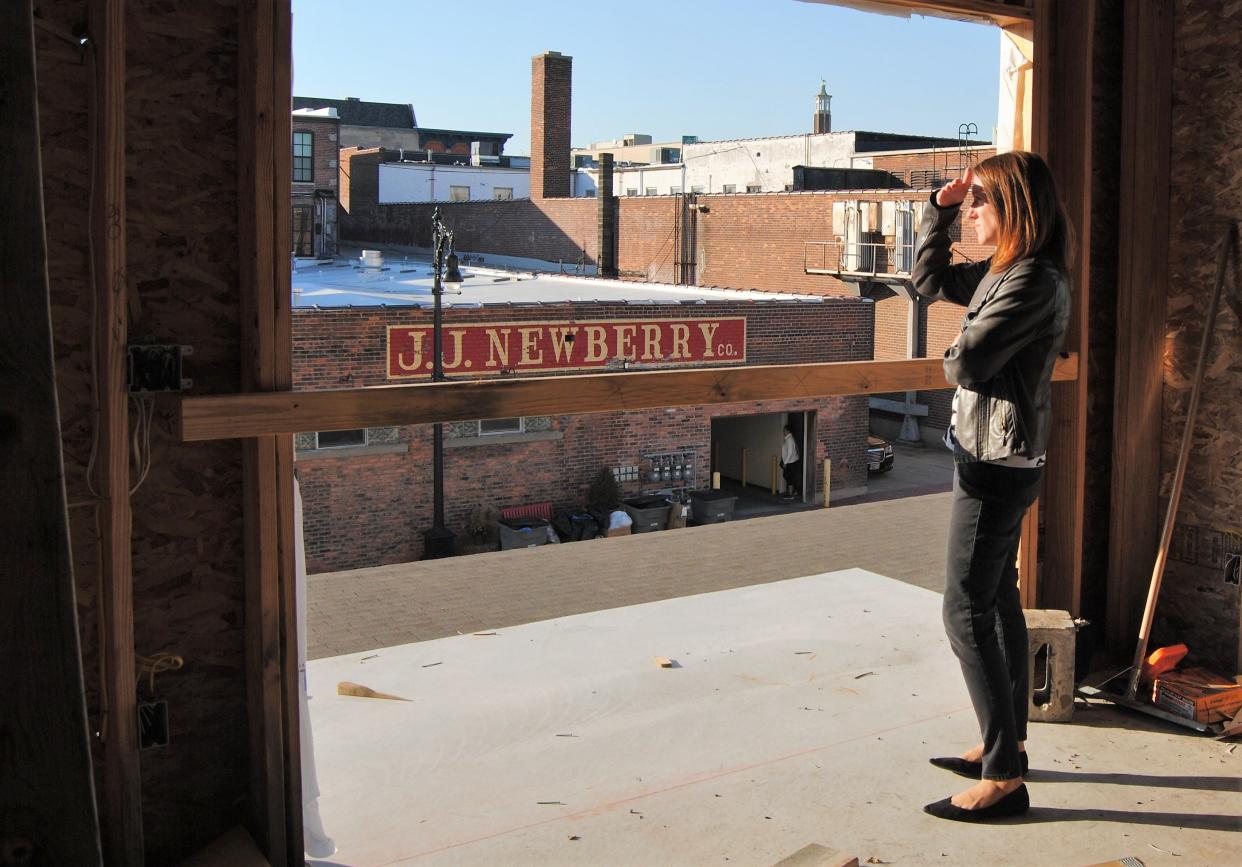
point(1233, 569)
point(152, 724)
point(158, 367)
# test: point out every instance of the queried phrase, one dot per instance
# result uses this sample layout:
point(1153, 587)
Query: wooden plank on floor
point(46, 786)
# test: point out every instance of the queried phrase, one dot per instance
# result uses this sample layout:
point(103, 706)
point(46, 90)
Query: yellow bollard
point(716, 481)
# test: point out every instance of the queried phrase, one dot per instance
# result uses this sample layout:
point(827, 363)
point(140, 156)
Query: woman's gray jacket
point(1012, 332)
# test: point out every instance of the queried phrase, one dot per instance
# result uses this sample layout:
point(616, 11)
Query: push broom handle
point(1170, 517)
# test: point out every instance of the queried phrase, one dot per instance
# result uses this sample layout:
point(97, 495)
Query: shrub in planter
point(603, 495)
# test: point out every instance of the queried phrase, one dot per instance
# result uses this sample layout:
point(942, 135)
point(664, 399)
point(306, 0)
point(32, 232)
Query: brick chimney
point(551, 75)
point(606, 258)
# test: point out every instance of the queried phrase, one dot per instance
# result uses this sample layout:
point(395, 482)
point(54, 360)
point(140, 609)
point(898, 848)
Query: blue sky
point(712, 68)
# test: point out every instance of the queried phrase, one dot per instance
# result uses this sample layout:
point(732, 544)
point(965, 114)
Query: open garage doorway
point(747, 457)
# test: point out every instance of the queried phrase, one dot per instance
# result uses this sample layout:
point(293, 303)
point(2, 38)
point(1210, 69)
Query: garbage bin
point(711, 506)
point(522, 532)
point(648, 513)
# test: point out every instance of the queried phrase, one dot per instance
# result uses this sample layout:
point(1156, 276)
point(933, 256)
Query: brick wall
point(914, 166)
point(371, 509)
point(550, 229)
point(325, 153)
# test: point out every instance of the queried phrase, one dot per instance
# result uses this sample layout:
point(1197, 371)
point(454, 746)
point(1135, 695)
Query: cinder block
point(1054, 630)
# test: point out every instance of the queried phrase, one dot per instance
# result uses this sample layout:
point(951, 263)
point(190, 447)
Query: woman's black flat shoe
point(1015, 803)
point(969, 769)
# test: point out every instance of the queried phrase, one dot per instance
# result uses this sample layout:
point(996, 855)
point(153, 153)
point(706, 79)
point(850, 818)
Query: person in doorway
point(1018, 305)
point(791, 463)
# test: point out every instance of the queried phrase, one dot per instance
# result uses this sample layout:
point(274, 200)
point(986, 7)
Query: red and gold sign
point(517, 347)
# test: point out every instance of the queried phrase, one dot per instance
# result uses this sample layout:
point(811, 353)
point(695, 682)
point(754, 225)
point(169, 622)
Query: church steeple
point(823, 109)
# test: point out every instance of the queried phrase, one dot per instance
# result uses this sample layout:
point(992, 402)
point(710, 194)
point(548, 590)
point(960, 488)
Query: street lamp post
point(439, 540)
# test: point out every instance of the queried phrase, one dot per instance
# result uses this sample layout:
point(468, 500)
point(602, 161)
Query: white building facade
point(401, 183)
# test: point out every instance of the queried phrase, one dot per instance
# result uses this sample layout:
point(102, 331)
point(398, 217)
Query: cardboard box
point(618, 531)
point(1198, 694)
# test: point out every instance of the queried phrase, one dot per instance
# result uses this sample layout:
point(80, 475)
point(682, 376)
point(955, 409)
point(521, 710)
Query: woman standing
point(1001, 362)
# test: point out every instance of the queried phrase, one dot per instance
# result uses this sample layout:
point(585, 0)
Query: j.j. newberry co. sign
point(516, 347)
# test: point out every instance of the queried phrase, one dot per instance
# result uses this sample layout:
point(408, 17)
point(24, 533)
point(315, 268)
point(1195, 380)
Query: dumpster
point(522, 532)
point(711, 507)
point(648, 513)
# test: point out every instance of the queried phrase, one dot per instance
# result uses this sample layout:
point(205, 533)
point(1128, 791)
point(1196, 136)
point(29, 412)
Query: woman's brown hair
point(1020, 187)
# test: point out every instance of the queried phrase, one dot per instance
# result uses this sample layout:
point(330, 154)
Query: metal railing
point(858, 257)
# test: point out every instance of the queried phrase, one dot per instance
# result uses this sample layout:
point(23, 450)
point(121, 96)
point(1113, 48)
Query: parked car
point(879, 454)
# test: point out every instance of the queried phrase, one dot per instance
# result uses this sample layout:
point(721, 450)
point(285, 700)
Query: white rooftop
point(405, 280)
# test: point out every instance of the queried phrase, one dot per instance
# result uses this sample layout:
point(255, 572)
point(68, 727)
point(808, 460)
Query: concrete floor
point(801, 711)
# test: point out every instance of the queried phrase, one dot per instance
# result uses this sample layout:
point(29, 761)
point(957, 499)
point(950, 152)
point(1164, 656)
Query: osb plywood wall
point(1197, 606)
point(181, 130)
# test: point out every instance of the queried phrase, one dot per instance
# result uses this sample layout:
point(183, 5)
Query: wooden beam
point(983, 11)
point(280, 294)
point(1142, 277)
point(257, 256)
point(1065, 131)
point(47, 797)
point(265, 238)
point(121, 805)
point(265, 414)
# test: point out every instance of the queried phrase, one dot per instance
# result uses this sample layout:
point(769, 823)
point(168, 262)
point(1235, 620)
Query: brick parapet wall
point(550, 229)
point(372, 509)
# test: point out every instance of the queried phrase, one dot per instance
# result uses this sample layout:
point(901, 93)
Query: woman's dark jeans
point(982, 609)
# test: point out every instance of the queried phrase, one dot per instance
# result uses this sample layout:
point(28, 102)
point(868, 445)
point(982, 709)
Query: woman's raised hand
point(954, 192)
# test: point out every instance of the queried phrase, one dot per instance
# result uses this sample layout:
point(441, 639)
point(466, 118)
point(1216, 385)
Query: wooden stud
point(121, 806)
point(1062, 132)
point(246, 415)
point(47, 790)
point(1028, 561)
point(281, 297)
point(271, 625)
point(827, 482)
point(775, 474)
point(1142, 275)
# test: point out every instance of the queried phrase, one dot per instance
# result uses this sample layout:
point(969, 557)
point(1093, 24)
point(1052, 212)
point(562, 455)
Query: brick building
point(316, 147)
point(367, 492)
point(821, 242)
point(394, 126)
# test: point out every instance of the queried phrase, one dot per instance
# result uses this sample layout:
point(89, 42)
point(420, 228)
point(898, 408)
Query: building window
point(303, 230)
point(729, 188)
point(491, 426)
point(697, 188)
point(303, 157)
point(631, 191)
point(754, 188)
point(505, 193)
point(459, 194)
point(340, 439)
point(650, 191)
point(674, 191)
